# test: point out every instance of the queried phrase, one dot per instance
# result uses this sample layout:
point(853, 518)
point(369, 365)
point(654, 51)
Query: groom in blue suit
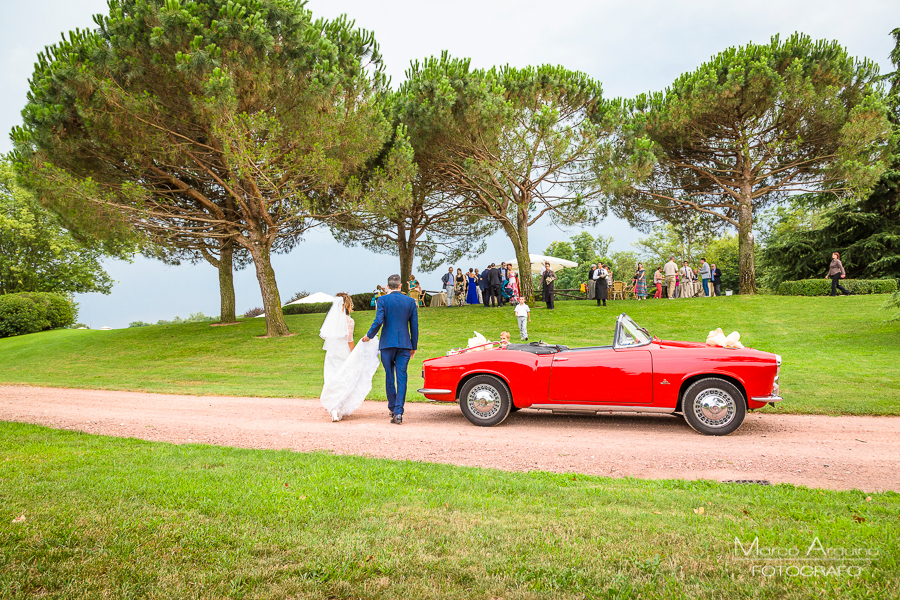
point(399, 340)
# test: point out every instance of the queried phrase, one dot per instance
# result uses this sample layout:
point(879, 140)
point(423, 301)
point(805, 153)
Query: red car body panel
point(649, 377)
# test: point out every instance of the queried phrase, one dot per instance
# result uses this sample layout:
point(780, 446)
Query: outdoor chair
point(618, 291)
point(415, 295)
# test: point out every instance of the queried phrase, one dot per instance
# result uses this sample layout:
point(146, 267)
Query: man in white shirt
point(705, 275)
point(670, 271)
point(523, 314)
point(686, 280)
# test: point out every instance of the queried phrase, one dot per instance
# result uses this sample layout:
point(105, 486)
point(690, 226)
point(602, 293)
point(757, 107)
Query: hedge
point(30, 312)
point(307, 309)
point(822, 287)
point(360, 302)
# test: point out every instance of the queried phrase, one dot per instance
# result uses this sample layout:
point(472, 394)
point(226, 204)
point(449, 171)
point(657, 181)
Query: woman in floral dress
point(460, 288)
point(640, 282)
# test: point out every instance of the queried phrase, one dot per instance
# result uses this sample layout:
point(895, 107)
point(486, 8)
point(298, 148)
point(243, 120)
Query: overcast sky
point(631, 47)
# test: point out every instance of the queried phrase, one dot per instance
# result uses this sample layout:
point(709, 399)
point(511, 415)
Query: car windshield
point(630, 333)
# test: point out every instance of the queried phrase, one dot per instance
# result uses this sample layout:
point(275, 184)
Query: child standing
point(523, 314)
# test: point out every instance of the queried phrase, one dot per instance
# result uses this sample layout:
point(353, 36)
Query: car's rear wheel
point(485, 400)
point(714, 406)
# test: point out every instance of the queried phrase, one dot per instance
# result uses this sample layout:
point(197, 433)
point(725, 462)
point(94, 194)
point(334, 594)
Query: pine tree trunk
point(519, 238)
point(407, 251)
point(745, 243)
point(226, 282)
point(275, 324)
point(407, 255)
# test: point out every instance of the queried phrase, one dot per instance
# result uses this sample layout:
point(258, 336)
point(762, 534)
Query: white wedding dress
point(348, 374)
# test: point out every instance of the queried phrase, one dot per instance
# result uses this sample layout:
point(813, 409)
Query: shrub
point(822, 287)
point(19, 315)
point(139, 324)
point(306, 309)
point(253, 312)
point(31, 312)
point(362, 301)
point(194, 318)
point(298, 296)
point(59, 310)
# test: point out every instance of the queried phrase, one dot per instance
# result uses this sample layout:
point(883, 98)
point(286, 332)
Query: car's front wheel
point(713, 406)
point(485, 400)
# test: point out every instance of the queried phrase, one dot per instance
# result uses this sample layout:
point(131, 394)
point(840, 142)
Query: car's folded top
point(538, 348)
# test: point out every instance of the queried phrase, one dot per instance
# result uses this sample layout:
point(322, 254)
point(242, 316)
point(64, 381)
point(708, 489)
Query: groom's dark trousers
point(400, 317)
point(395, 361)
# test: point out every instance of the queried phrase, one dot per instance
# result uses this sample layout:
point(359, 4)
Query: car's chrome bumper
point(772, 398)
point(434, 391)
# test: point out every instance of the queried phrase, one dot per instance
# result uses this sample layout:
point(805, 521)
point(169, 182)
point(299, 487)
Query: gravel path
point(828, 452)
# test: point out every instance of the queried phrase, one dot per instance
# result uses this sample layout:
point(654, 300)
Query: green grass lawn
point(841, 356)
point(123, 518)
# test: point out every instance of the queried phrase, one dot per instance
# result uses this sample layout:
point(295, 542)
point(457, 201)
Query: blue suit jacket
point(400, 317)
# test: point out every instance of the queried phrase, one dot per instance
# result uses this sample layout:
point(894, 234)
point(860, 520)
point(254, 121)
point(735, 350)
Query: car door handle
point(560, 360)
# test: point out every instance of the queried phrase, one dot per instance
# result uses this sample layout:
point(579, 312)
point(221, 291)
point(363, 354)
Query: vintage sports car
point(713, 387)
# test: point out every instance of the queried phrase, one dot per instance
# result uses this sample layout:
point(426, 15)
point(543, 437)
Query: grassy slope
point(840, 355)
point(120, 518)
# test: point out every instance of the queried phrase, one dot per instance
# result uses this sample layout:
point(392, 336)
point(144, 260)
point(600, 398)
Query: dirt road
point(815, 451)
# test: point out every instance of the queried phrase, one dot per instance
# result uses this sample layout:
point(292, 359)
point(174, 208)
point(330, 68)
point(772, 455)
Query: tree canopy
point(432, 223)
point(751, 127)
point(36, 253)
point(220, 120)
point(866, 232)
point(519, 143)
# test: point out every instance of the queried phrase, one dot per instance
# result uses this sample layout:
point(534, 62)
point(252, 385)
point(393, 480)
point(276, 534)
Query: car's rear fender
point(691, 379)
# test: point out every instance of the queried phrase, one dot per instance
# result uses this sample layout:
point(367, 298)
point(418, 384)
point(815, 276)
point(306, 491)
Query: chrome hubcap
point(714, 407)
point(483, 401)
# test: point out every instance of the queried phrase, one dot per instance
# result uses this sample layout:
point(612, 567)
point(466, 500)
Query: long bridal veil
point(348, 374)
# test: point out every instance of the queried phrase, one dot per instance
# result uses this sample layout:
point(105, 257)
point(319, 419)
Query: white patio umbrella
point(313, 298)
point(538, 260)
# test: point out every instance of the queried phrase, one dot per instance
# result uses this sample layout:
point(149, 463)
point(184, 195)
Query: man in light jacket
point(670, 271)
point(705, 275)
point(686, 281)
point(448, 281)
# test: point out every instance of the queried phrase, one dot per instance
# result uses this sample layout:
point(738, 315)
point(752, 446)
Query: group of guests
point(494, 286)
point(670, 281)
point(681, 282)
point(600, 279)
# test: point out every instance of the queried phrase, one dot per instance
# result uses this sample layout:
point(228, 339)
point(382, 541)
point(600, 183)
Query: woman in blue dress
point(472, 293)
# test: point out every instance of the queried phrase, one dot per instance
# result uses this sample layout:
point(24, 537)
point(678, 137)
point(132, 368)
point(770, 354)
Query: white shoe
point(334, 416)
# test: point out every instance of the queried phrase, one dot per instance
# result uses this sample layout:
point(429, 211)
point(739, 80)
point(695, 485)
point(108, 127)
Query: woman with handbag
point(547, 279)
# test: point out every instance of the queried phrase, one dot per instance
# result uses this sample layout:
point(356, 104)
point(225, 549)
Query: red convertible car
point(712, 387)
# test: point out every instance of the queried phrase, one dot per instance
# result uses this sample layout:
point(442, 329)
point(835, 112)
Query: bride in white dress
point(348, 368)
